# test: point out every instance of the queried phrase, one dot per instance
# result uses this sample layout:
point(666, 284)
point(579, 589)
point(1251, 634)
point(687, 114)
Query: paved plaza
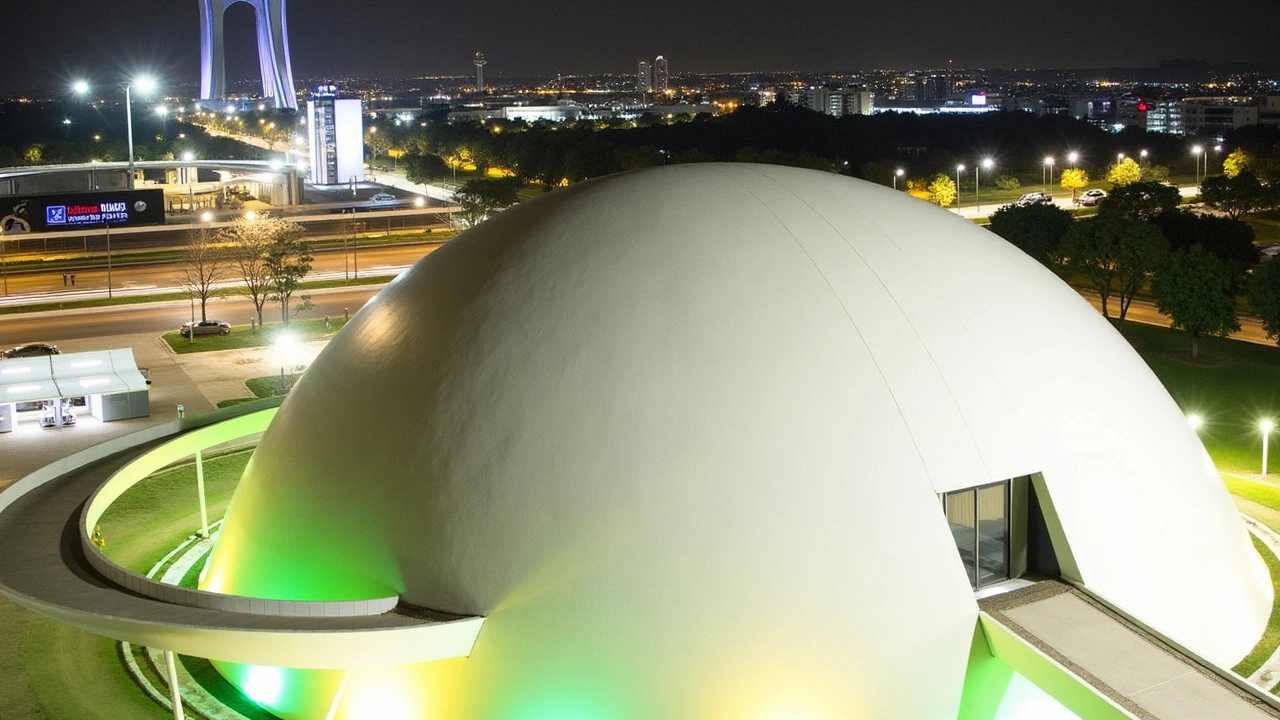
point(197, 381)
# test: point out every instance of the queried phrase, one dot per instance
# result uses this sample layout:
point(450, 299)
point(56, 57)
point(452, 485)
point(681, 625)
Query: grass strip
point(241, 336)
point(1270, 641)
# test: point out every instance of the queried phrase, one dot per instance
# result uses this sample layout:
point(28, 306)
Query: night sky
point(47, 43)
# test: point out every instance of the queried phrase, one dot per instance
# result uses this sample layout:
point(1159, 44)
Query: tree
point(424, 167)
point(1117, 254)
point(268, 253)
point(1140, 200)
point(287, 261)
point(1073, 179)
point(480, 198)
point(1231, 241)
point(1036, 229)
point(1236, 162)
point(1124, 172)
point(204, 264)
point(1264, 296)
point(1155, 173)
point(942, 190)
point(247, 247)
point(1193, 288)
point(1236, 196)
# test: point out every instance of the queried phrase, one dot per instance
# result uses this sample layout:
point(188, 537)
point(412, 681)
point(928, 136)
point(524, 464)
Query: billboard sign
point(116, 208)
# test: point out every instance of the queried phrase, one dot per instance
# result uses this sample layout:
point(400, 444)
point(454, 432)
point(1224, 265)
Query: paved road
point(57, 326)
point(43, 287)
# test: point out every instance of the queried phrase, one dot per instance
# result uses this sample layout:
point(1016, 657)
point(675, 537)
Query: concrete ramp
point(1128, 664)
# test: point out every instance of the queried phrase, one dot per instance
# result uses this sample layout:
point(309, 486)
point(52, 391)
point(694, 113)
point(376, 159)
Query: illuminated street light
point(1195, 421)
point(1266, 426)
point(977, 200)
point(1072, 157)
point(959, 169)
point(897, 174)
point(286, 350)
point(1196, 152)
point(146, 85)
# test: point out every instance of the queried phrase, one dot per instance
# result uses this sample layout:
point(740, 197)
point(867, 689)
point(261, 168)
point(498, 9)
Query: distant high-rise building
point(644, 81)
point(480, 61)
point(660, 74)
point(336, 126)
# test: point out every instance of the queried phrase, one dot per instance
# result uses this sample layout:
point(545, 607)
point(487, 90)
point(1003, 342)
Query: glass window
point(961, 516)
point(979, 522)
point(993, 534)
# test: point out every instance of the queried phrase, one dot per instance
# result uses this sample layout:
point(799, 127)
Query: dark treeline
point(74, 132)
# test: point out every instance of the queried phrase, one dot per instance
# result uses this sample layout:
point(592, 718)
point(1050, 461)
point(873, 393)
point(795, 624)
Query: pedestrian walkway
point(1133, 668)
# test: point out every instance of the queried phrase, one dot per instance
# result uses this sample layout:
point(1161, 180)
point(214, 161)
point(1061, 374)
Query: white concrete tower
point(273, 51)
point(480, 61)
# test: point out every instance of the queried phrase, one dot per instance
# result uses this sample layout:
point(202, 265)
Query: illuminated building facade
point(337, 137)
point(660, 79)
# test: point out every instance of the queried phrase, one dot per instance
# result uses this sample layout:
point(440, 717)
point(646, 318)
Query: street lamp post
point(145, 84)
point(977, 182)
point(1196, 152)
point(959, 169)
point(897, 174)
point(1266, 426)
point(1072, 157)
point(1048, 172)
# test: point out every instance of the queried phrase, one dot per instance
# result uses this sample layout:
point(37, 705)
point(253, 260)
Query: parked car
point(384, 199)
point(1032, 198)
point(205, 327)
point(31, 350)
point(1091, 197)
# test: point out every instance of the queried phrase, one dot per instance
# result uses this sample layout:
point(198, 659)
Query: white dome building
point(685, 437)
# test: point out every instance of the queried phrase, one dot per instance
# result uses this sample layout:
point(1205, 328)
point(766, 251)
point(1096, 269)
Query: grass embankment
point(242, 336)
point(1271, 636)
point(152, 517)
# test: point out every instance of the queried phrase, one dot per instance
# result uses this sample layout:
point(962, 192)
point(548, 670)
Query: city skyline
point(399, 38)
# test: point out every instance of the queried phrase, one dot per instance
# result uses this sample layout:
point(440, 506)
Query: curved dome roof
point(680, 434)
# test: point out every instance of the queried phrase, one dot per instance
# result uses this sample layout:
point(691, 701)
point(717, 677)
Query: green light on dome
point(263, 684)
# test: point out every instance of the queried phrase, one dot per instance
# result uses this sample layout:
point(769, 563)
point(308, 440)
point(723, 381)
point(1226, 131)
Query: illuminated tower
point(480, 61)
point(644, 81)
point(273, 51)
point(660, 75)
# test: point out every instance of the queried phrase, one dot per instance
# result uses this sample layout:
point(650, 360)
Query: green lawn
point(152, 517)
point(1236, 384)
point(243, 337)
point(1266, 227)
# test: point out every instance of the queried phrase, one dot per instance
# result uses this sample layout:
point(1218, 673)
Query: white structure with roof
point(747, 457)
point(109, 380)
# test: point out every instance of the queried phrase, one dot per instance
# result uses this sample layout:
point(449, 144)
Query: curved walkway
point(45, 569)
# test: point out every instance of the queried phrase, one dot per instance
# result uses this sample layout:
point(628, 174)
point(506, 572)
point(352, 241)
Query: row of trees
point(266, 254)
point(1193, 265)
